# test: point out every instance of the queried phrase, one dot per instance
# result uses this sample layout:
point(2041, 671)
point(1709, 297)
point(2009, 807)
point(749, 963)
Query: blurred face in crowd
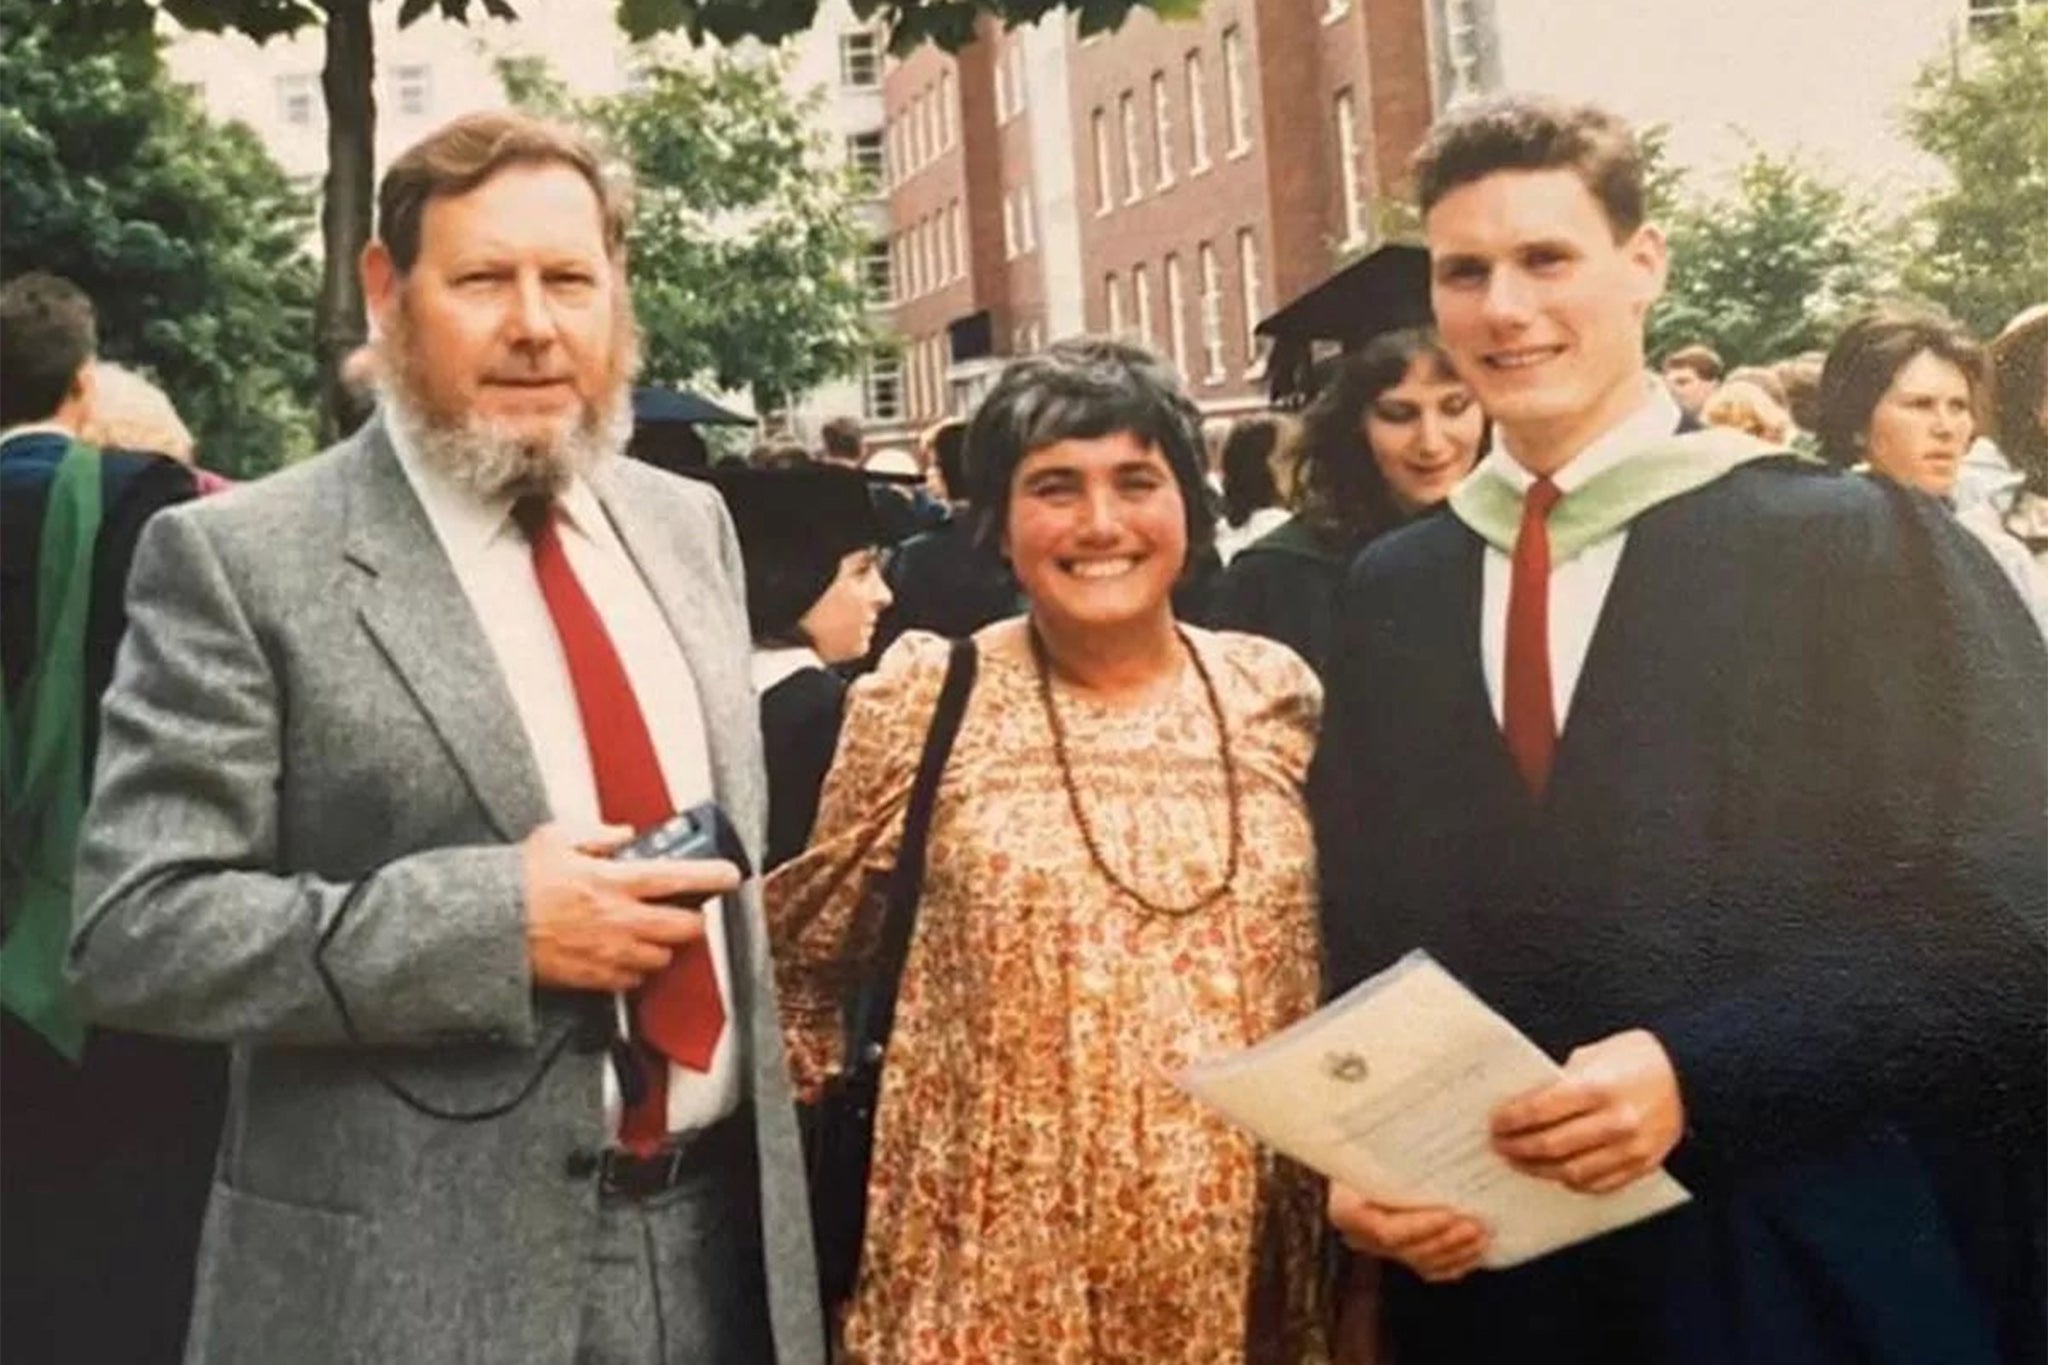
point(1541, 308)
point(1922, 425)
point(841, 623)
point(508, 347)
point(1424, 434)
point(1097, 531)
point(1688, 386)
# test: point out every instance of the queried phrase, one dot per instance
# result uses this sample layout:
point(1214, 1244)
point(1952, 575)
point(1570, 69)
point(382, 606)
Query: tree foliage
point(746, 236)
point(188, 237)
point(1772, 266)
point(1986, 118)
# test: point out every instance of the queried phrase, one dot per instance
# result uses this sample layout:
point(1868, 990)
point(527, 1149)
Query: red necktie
point(677, 1011)
point(1531, 723)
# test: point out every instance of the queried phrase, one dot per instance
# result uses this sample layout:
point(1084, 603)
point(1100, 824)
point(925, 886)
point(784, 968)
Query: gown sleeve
point(824, 905)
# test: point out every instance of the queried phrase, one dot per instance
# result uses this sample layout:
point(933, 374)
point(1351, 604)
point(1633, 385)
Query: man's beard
point(491, 459)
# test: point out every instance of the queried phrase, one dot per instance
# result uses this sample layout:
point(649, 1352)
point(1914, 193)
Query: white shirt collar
point(1654, 419)
point(38, 429)
point(770, 666)
point(467, 524)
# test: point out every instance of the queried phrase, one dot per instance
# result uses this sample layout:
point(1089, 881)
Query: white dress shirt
point(494, 565)
point(1579, 586)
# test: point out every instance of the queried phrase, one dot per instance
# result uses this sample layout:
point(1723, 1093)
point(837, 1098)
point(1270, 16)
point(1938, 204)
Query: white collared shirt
point(494, 564)
point(770, 665)
point(1579, 586)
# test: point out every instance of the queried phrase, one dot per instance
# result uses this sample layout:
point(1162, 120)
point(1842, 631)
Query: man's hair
point(459, 156)
point(1800, 378)
point(1869, 355)
point(841, 439)
point(1703, 361)
point(1535, 133)
point(1744, 405)
point(47, 335)
point(1080, 389)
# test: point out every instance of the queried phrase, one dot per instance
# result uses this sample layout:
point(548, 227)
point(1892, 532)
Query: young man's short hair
point(1701, 360)
point(1535, 133)
point(48, 333)
point(842, 439)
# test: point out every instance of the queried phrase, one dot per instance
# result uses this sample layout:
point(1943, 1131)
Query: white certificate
point(1389, 1090)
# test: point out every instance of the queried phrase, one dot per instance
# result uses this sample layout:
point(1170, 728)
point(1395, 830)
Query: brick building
point(1171, 182)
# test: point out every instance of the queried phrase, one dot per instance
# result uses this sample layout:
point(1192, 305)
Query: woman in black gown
point(1385, 441)
point(810, 537)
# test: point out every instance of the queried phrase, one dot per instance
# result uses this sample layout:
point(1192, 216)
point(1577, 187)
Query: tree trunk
point(346, 81)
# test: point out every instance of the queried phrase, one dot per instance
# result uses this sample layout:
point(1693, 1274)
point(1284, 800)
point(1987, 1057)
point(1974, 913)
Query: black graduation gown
point(1284, 586)
point(800, 718)
point(104, 1165)
point(1796, 830)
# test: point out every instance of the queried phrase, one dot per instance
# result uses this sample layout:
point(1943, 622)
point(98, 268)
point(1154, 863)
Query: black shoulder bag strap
point(873, 1015)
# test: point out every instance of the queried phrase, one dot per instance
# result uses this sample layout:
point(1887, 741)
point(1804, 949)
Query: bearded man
point(378, 722)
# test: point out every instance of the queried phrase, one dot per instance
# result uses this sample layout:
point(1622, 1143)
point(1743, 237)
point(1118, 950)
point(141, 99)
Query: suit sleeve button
point(581, 1164)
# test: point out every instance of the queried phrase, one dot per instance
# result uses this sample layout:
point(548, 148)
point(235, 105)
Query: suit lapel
point(410, 602)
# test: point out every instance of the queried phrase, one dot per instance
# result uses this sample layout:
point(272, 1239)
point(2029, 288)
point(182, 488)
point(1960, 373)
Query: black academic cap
point(1382, 291)
point(823, 510)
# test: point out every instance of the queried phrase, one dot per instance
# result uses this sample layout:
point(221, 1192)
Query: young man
point(1692, 373)
point(1720, 775)
point(379, 723)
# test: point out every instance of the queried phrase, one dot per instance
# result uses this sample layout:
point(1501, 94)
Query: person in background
point(1720, 776)
point(1384, 442)
point(779, 455)
point(2020, 357)
point(1118, 882)
point(106, 1136)
point(1901, 398)
point(1747, 406)
point(381, 722)
point(1800, 378)
point(946, 581)
point(840, 442)
point(1258, 470)
point(1692, 373)
point(810, 538)
point(130, 413)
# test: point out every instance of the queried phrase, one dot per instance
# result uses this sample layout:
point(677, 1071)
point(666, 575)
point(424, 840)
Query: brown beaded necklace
point(1059, 749)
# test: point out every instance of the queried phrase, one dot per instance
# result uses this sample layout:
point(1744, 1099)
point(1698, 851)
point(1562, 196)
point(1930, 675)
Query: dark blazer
point(1795, 829)
point(800, 718)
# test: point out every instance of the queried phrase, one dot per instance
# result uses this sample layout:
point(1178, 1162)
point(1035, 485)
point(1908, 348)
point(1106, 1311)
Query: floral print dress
point(1041, 1192)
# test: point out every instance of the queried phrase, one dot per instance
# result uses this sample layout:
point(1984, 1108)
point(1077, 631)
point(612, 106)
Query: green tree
point(189, 239)
point(746, 236)
point(1770, 268)
point(1986, 116)
point(348, 71)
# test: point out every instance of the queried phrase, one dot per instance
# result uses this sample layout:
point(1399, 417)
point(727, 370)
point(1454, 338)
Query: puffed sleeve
point(824, 905)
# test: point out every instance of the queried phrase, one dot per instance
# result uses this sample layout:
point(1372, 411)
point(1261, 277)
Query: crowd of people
point(364, 1003)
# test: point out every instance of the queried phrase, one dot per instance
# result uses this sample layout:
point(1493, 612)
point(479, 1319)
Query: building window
point(411, 90)
point(1098, 124)
point(1349, 182)
point(1334, 10)
point(1198, 116)
point(860, 59)
point(297, 98)
point(1027, 223)
point(1990, 16)
point(1252, 294)
point(1009, 226)
point(928, 107)
point(1127, 117)
point(1461, 60)
point(876, 275)
point(958, 224)
point(1162, 131)
point(1116, 304)
point(884, 386)
point(1212, 314)
point(1003, 109)
point(864, 153)
point(1176, 317)
point(1236, 98)
point(1141, 302)
point(945, 109)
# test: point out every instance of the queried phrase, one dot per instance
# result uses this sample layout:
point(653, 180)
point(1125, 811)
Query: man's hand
point(597, 925)
point(1436, 1243)
point(1612, 1119)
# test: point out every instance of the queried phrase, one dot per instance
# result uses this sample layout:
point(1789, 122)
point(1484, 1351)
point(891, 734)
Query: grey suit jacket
point(305, 701)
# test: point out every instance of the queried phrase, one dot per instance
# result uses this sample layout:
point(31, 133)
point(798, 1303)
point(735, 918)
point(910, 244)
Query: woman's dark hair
point(1078, 390)
point(1340, 491)
point(1869, 355)
point(785, 579)
point(1248, 482)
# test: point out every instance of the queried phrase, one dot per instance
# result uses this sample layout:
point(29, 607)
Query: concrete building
point(435, 69)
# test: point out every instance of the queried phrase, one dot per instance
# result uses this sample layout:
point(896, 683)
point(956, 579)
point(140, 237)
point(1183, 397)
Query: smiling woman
point(1120, 879)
